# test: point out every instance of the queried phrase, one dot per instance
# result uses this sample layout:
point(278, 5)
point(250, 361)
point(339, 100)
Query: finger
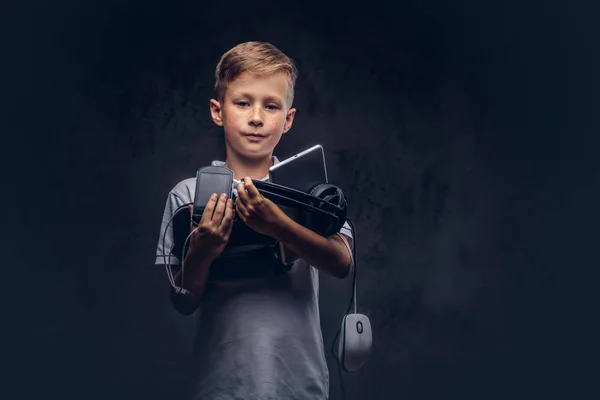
point(220, 209)
point(228, 217)
point(251, 189)
point(209, 208)
point(230, 228)
point(241, 208)
point(241, 189)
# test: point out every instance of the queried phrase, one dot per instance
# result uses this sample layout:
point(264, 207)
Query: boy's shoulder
point(185, 189)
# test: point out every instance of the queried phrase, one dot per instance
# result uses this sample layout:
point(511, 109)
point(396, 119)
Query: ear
point(289, 120)
point(216, 112)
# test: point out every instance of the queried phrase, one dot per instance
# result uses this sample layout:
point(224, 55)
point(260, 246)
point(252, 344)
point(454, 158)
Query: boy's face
point(254, 114)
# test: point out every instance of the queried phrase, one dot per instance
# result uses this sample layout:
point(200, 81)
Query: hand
point(211, 235)
point(258, 212)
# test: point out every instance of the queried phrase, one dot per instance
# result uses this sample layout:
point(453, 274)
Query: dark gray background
point(464, 133)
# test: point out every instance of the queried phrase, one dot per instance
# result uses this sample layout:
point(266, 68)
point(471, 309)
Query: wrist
point(195, 259)
point(195, 274)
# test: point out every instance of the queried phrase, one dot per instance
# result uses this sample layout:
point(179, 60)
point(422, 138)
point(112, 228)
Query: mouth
point(254, 136)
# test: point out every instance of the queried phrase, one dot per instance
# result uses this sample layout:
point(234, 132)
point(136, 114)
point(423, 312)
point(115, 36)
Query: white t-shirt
point(259, 340)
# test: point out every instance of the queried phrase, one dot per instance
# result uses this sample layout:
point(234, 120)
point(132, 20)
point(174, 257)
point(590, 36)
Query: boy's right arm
point(196, 274)
point(207, 242)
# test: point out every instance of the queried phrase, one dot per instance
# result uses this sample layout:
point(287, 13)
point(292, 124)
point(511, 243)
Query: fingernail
point(214, 196)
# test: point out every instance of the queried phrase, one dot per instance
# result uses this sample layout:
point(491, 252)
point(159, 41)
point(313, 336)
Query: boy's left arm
point(331, 255)
point(328, 254)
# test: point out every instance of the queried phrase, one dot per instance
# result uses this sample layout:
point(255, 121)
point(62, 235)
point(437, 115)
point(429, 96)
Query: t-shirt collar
point(218, 163)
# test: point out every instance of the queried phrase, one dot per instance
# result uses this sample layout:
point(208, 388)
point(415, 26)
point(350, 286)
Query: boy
point(260, 338)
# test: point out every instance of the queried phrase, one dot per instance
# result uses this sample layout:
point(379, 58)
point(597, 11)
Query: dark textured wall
point(462, 133)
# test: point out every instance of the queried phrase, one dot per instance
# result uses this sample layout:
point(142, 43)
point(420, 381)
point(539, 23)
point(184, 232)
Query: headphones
point(323, 210)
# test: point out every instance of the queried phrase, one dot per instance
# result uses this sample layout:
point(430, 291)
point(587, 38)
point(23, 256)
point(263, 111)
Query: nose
point(256, 117)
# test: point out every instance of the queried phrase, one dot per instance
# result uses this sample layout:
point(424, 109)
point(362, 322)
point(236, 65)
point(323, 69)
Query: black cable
point(339, 363)
point(168, 263)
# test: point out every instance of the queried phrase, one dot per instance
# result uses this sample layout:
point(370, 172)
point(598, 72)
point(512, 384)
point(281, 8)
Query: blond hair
point(259, 58)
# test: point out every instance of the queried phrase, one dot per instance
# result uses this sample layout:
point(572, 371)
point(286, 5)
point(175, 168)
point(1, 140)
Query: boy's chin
point(249, 153)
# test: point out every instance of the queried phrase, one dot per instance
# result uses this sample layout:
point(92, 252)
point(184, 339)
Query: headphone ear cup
point(335, 196)
point(324, 191)
point(331, 194)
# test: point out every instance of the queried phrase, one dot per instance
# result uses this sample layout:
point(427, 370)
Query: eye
point(242, 103)
point(273, 107)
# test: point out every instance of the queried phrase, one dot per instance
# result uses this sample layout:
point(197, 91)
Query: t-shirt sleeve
point(166, 231)
point(346, 230)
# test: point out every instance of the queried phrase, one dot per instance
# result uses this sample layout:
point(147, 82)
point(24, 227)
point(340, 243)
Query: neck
point(255, 169)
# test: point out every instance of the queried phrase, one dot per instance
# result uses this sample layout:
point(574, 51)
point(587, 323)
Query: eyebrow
point(267, 98)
